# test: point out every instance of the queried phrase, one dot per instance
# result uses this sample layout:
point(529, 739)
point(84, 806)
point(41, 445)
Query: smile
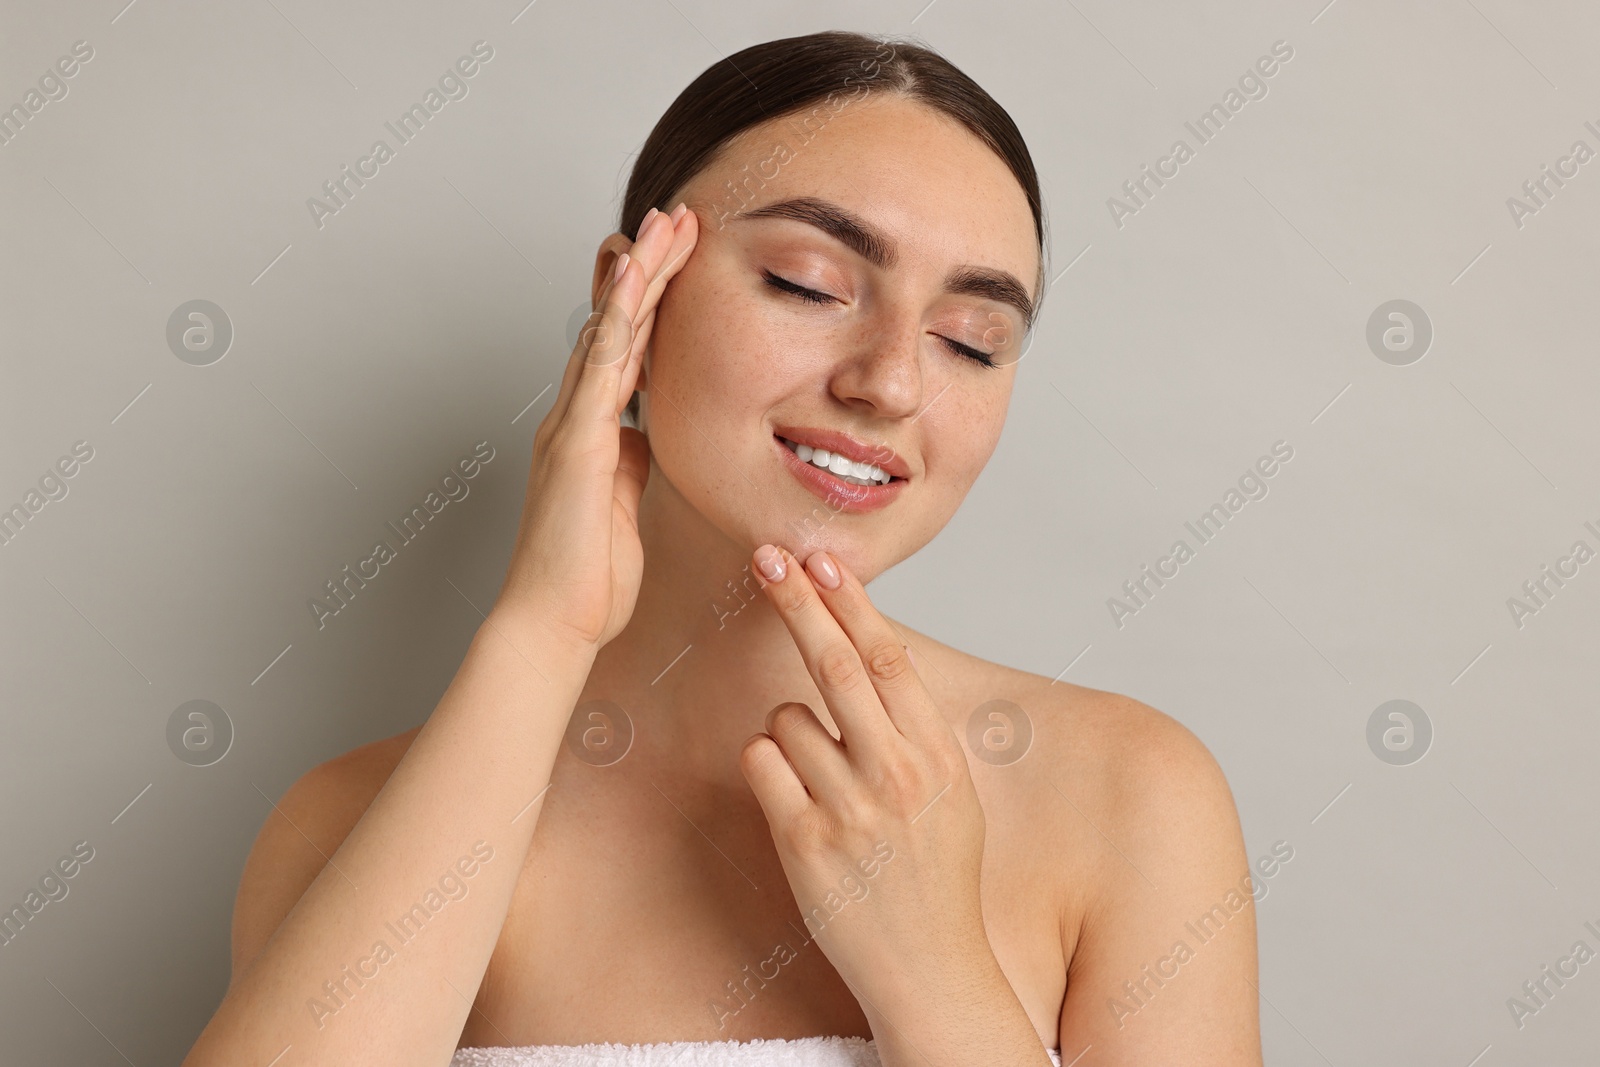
point(846, 470)
point(847, 485)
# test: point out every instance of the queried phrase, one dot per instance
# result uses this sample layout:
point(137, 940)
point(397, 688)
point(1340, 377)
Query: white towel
point(760, 1052)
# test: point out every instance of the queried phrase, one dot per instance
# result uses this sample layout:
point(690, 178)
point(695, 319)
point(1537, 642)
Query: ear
point(605, 262)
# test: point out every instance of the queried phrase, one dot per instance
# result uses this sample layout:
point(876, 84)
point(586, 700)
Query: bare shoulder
point(1124, 808)
point(306, 826)
point(1112, 768)
point(1093, 736)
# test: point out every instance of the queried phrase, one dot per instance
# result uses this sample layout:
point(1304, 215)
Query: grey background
point(1229, 313)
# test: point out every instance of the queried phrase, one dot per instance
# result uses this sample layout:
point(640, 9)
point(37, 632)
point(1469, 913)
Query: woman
point(779, 827)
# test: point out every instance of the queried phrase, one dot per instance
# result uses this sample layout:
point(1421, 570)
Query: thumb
point(633, 471)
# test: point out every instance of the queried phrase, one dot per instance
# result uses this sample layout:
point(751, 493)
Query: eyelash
point(811, 296)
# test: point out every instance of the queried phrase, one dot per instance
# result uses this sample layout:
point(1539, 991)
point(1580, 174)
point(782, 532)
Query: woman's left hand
point(880, 833)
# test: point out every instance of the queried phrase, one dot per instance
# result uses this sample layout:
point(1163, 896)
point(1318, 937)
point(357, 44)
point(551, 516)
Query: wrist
point(958, 969)
point(537, 632)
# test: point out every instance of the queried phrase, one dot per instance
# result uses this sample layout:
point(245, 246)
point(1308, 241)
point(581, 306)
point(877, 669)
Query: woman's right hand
point(578, 560)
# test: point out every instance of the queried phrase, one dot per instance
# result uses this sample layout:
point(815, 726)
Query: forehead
point(939, 192)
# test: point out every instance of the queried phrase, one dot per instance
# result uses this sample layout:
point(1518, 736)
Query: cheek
point(701, 352)
point(699, 331)
point(720, 348)
point(960, 443)
point(708, 385)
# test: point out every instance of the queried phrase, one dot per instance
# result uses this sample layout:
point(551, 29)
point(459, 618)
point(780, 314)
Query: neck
point(704, 656)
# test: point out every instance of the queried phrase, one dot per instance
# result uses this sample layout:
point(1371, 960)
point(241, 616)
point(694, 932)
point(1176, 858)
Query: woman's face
point(941, 250)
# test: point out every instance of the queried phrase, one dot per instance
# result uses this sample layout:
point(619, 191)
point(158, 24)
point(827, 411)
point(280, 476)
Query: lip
point(842, 444)
point(841, 495)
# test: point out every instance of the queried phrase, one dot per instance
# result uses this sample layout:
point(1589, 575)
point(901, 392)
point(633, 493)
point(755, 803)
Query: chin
point(864, 555)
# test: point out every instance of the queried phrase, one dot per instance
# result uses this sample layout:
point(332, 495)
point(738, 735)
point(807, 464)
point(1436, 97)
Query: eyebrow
point(874, 246)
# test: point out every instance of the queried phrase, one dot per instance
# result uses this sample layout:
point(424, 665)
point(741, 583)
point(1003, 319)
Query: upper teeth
point(847, 469)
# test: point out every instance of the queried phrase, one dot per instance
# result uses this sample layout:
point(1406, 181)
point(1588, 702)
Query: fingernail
point(770, 560)
point(622, 265)
point(910, 655)
point(823, 570)
point(648, 215)
point(677, 212)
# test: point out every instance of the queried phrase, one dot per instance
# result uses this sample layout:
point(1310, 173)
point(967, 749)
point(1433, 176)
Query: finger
point(818, 759)
point(594, 388)
point(663, 248)
point(685, 235)
point(633, 471)
point(674, 255)
point(594, 329)
point(630, 376)
point(886, 660)
point(669, 233)
point(646, 256)
point(778, 789)
point(656, 249)
point(598, 340)
point(826, 649)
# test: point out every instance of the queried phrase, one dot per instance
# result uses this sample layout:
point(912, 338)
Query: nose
point(883, 371)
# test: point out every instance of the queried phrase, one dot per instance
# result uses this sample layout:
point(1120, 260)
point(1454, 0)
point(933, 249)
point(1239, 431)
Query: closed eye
point(812, 296)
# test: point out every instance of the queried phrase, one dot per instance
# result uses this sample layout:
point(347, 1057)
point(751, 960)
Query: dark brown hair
point(777, 79)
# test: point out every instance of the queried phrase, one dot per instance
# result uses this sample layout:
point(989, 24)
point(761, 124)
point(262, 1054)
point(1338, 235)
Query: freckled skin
point(730, 356)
